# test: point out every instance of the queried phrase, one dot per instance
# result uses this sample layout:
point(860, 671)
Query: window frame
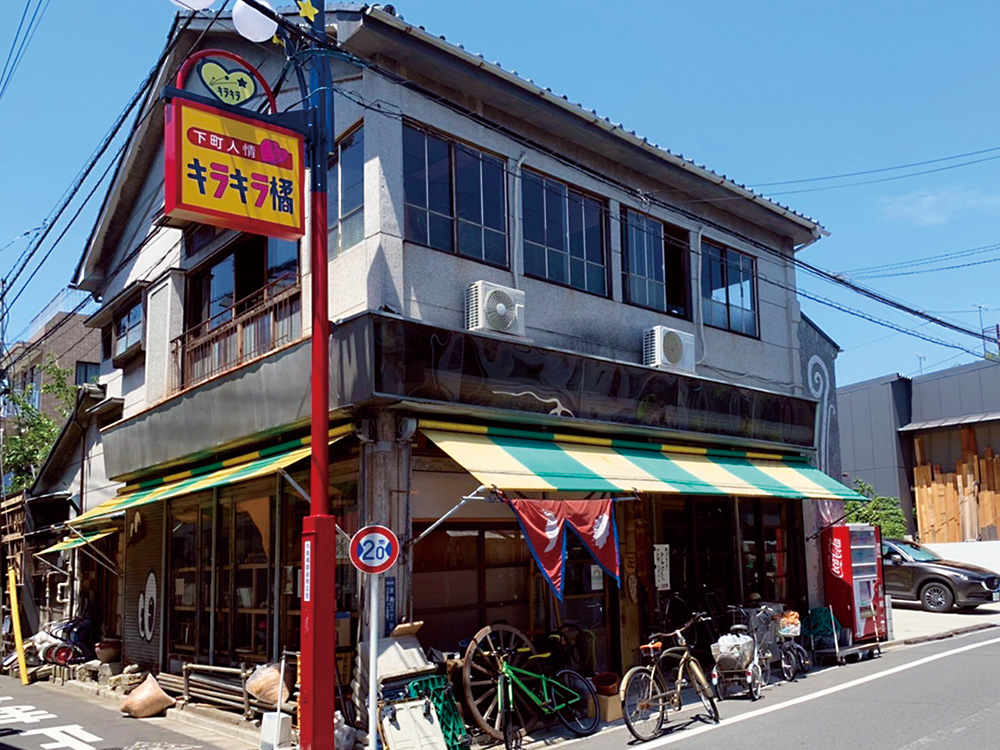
point(684, 311)
point(87, 367)
point(454, 218)
point(336, 193)
point(120, 354)
point(724, 254)
point(567, 230)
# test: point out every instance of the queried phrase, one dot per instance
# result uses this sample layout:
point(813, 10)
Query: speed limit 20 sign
point(374, 549)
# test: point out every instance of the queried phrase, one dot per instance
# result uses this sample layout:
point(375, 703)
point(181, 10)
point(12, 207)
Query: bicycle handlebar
point(695, 618)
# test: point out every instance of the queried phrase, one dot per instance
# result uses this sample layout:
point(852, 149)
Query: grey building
point(637, 321)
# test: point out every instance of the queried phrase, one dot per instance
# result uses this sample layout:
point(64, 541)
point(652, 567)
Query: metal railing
point(254, 326)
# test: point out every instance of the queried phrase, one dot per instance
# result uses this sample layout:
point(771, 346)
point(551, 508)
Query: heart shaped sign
point(229, 86)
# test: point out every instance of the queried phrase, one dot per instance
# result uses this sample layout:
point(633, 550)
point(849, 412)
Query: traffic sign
point(374, 549)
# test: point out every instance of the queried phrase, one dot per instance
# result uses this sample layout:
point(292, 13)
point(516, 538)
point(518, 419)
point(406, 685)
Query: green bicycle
point(569, 695)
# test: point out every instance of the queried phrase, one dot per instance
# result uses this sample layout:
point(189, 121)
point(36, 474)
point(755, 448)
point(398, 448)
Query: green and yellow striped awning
point(77, 541)
point(512, 459)
point(240, 469)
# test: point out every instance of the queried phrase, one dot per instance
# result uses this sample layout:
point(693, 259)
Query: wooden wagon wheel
point(481, 670)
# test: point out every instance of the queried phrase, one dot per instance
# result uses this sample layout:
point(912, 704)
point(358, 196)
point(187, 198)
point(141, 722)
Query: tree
point(28, 433)
point(878, 510)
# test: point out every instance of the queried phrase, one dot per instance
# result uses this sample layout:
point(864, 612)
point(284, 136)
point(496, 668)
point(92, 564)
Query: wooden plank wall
point(959, 505)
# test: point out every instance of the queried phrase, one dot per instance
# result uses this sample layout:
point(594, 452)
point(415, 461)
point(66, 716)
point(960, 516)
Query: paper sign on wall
point(661, 566)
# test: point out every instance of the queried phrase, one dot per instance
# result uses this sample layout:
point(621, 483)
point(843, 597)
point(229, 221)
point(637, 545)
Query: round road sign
point(374, 549)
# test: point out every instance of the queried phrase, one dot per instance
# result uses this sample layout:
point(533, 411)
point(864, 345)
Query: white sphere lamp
point(252, 24)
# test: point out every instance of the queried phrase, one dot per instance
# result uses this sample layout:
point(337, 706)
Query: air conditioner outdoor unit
point(668, 349)
point(491, 307)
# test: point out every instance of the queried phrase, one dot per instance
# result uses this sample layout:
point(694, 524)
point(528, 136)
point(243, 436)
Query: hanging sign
point(374, 549)
point(544, 522)
point(661, 566)
point(233, 171)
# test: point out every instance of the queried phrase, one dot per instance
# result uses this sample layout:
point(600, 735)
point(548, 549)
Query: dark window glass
point(563, 235)
point(87, 372)
point(346, 193)
point(128, 328)
point(728, 290)
point(655, 264)
point(455, 197)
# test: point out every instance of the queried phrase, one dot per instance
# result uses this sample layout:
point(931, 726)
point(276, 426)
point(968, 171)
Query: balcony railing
point(264, 321)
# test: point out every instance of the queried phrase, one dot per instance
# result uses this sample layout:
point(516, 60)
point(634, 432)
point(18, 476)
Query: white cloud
point(928, 209)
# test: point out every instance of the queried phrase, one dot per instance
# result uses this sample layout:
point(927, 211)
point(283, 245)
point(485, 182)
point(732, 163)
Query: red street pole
point(319, 530)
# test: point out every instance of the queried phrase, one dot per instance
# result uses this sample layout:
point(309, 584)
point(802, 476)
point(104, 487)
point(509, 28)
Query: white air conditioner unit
point(668, 349)
point(491, 307)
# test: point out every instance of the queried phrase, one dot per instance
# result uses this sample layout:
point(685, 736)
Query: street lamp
point(317, 661)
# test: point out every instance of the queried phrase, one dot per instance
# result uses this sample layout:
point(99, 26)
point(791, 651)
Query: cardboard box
point(611, 707)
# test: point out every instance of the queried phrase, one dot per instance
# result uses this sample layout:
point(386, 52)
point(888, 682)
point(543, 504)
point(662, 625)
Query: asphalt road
point(45, 717)
point(941, 694)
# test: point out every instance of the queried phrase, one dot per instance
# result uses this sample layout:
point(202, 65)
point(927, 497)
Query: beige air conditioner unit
point(668, 349)
point(495, 308)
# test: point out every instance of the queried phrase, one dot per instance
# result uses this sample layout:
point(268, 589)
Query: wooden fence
point(960, 505)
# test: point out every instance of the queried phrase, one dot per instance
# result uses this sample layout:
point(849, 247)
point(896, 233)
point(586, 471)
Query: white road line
point(684, 734)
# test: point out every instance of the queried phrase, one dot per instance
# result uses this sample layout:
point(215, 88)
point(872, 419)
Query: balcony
point(266, 320)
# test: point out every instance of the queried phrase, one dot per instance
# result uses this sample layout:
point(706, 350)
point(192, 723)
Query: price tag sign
point(374, 549)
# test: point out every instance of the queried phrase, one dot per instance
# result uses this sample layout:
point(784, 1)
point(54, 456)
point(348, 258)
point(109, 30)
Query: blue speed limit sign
point(374, 549)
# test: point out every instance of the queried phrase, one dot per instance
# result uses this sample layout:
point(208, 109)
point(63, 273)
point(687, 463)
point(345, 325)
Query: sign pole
point(15, 617)
point(372, 660)
point(319, 528)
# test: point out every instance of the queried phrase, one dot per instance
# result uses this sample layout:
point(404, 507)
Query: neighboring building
point(930, 441)
point(60, 333)
point(462, 176)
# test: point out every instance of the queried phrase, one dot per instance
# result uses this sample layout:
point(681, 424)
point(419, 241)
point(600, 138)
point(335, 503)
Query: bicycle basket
point(733, 651)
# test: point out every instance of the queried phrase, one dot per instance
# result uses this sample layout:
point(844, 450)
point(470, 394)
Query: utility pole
point(982, 331)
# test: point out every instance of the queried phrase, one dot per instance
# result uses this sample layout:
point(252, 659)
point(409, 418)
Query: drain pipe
point(516, 256)
point(699, 310)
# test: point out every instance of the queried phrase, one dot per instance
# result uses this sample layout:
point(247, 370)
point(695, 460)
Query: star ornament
point(307, 10)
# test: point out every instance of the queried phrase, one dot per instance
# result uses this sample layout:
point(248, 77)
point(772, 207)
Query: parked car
point(915, 573)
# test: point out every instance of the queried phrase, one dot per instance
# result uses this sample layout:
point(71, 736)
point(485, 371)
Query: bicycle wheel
point(703, 690)
point(480, 672)
point(643, 704)
point(508, 717)
point(804, 658)
point(789, 663)
point(765, 667)
point(583, 715)
point(756, 681)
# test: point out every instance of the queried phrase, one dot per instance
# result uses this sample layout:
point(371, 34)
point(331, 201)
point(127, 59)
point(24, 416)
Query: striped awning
point(77, 541)
point(561, 463)
point(231, 471)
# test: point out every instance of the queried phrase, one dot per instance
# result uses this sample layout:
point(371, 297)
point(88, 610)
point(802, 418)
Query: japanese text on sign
point(232, 171)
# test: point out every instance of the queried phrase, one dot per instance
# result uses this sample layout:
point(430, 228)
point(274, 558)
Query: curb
point(941, 636)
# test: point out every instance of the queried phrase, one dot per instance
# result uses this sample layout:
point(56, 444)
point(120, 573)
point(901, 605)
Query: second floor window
point(253, 269)
point(455, 197)
point(347, 193)
point(656, 270)
point(87, 372)
point(728, 289)
point(563, 234)
point(128, 329)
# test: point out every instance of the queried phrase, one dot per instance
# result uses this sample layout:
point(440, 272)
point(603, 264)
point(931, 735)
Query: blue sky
point(762, 93)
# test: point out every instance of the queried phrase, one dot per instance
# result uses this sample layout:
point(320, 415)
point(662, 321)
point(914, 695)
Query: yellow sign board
point(233, 171)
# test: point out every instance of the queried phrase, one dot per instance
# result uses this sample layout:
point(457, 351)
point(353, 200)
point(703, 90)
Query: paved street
point(45, 717)
point(939, 694)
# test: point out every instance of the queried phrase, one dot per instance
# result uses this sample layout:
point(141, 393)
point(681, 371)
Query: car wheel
point(936, 597)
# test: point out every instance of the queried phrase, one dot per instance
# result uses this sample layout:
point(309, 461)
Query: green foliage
point(28, 433)
point(880, 511)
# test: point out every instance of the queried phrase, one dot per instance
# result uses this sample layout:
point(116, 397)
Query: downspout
point(517, 244)
point(699, 310)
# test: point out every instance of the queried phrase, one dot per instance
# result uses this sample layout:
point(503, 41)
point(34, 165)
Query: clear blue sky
point(760, 92)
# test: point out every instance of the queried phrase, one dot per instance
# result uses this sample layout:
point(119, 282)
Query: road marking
point(684, 734)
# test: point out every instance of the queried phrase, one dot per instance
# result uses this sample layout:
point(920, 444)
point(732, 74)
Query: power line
point(13, 61)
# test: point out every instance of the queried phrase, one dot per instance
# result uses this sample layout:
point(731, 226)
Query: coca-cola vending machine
point(853, 576)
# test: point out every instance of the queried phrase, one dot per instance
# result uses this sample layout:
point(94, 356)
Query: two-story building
point(523, 295)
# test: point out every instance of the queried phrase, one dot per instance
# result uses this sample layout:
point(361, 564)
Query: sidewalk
point(912, 625)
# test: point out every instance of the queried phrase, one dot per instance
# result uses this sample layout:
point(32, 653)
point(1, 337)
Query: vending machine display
point(853, 578)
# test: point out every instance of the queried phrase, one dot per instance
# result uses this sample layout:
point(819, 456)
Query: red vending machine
point(852, 557)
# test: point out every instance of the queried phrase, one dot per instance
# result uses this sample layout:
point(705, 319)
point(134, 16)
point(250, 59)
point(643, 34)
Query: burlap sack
point(146, 700)
point(263, 684)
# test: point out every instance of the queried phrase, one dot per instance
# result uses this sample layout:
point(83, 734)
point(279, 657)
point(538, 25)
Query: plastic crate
point(438, 689)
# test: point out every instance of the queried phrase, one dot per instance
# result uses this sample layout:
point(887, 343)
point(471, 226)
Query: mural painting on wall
point(147, 608)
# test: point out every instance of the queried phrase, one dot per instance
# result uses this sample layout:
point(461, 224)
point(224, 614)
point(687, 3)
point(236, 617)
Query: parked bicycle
point(569, 696)
point(743, 657)
point(651, 691)
point(794, 657)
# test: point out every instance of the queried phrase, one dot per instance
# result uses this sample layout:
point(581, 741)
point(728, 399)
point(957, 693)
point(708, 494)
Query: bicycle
point(569, 695)
point(750, 664)
point(794, 657)
point(646, 697)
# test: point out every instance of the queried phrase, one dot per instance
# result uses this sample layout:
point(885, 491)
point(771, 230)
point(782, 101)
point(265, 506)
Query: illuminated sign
point(233, 171)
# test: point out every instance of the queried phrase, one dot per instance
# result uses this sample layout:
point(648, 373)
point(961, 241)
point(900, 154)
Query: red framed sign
point(233, 171)
point(374, 549)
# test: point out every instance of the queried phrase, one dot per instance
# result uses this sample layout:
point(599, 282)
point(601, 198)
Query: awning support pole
point(302, 493)
point(473, 496)
point(93, 555)
point(51, 565)
point(109, 564)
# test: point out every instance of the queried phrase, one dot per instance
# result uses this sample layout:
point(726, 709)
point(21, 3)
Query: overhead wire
point(13, 63)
